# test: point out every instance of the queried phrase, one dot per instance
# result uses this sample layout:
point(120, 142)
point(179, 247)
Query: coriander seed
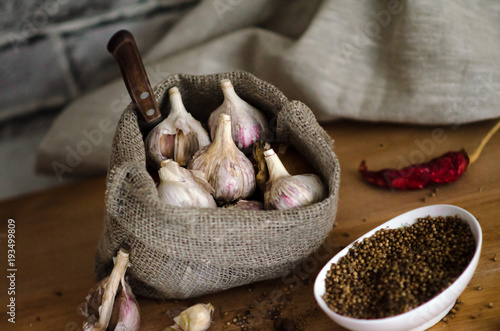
point(396, 270)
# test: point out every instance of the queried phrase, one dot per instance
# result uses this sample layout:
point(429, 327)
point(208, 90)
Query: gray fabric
point(422, 62)
point(180, 252)
point(52, 51)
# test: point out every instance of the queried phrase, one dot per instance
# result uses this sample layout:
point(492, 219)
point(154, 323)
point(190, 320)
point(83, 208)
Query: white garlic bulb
point(105, 309)
point(227, 169)
point(248, 123)
point(284, 191)
point(184, 188)
point(177, 137)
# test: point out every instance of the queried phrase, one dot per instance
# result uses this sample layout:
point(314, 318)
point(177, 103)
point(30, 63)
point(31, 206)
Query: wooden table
point(57, 231)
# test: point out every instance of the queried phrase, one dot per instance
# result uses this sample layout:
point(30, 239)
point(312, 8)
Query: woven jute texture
point(187, 252)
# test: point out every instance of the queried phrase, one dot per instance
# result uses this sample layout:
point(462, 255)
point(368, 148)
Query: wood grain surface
point(57, 232)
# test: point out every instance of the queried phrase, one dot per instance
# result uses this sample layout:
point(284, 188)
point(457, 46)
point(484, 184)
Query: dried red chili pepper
point(441, 170)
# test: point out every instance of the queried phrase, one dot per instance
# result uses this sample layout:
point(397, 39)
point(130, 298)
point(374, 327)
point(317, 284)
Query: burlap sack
point(187, 252)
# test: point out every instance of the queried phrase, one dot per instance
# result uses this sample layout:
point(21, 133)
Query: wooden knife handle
point(123, 47)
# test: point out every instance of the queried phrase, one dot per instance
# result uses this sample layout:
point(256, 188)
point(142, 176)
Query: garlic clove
point(167, 144)
point(187, 145)
point(227, 169)
point(105, 309)
point(248, 123)
point(177, 137)
point(195, 318)
point(184, 188)
point(284, 191)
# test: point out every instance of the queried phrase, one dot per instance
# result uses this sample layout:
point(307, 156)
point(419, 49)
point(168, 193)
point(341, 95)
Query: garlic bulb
point(184, 188)
point(227, 169)
point(195, 318)
point(125, 314)
point(104, 309)
point(284, 191)
point(248, 123)
point(177, 137)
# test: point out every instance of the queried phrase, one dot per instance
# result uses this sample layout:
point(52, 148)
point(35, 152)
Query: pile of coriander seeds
point(396, 270)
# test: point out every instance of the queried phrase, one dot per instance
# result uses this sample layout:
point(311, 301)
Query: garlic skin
point(248, 123)
point(184, 188)
point(195, 318)
point(177, 137)
point(227, 169)
point(284, 191)
point(93, 300)
point(104, 309)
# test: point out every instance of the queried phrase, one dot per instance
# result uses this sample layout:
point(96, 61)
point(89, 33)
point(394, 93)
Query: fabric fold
point(417, 62)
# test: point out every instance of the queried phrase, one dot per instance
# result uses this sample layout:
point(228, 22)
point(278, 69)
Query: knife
point(123, 47)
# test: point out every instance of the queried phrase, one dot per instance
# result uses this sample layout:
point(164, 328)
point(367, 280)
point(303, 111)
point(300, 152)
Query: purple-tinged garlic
point(227, 169)
point(248, 123)
point(247, 205)
point(284, 191)
point(184, 188)
point(107, 310)
point(125, 314)
point(195, 318)
point(177, 137)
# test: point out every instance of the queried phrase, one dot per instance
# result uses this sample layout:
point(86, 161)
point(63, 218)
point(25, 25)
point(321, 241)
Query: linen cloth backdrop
point(421, 61)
